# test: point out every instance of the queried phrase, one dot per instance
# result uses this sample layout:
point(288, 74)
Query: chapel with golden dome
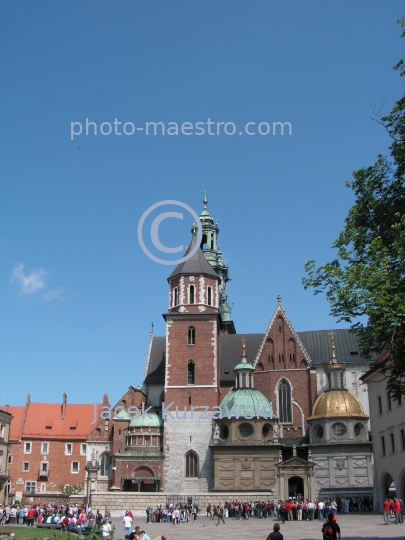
point(338, 430)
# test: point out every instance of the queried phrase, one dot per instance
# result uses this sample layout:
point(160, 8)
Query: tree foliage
point(367, 279)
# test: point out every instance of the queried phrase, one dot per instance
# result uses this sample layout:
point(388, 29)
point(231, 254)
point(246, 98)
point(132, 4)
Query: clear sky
point(78, 295)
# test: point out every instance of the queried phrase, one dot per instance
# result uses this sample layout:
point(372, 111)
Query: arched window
point(284, 400)
point(191, 294)
point(190, 372)
point(105, 465)
point(209, 294)
point(191, 465)
point(191, 336)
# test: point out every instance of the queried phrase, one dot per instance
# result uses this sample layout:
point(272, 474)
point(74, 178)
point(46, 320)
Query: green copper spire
point(213, 254)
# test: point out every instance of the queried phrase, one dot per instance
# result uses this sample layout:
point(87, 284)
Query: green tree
point(367, 279)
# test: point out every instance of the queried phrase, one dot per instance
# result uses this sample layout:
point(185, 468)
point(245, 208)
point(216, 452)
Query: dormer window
point(192, 294)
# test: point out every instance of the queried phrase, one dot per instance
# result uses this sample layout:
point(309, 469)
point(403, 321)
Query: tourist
point(176, 516)
point(276, 534)
point(321, 506)
point(220, 514)
point(397, 511)
point(209, 510)
point(30, 517)
point(127, 524)
point(330, 529)
point(386, 511)
point(143, 536)
point(288, 507)
point(311, 510)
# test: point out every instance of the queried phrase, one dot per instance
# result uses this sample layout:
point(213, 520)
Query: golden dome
point(337, 403)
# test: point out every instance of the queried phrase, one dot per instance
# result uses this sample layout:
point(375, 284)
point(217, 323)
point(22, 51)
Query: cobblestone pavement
point(353, 527)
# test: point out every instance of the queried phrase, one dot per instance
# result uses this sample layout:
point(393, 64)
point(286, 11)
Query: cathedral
point(280, 413)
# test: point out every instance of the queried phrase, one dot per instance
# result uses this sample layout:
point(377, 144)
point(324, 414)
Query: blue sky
point(78, 295)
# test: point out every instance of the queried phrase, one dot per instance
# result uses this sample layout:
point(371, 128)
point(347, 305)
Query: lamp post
point(92, 469)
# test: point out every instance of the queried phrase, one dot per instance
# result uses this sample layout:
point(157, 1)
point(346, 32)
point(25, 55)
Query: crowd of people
point(70, 518)
point(297, 509)
point(393, 509)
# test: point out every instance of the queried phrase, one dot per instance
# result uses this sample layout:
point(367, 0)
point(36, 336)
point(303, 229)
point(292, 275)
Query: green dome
point(246, 402)
point(205, 217)
point(122, 415)
point(144, 421)
point(244, 366)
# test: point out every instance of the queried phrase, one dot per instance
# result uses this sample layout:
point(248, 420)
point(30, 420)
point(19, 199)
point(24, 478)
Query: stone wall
point(138, 502)
point(182, 436)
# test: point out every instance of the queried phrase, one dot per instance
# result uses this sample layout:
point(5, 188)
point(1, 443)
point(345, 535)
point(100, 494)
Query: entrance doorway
point(389, 487)
point(296, 487)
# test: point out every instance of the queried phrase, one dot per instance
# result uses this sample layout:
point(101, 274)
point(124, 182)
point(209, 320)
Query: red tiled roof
point(40, 416)
point(15, 424)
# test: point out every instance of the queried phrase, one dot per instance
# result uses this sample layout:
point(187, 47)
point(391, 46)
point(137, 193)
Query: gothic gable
point(281, 347)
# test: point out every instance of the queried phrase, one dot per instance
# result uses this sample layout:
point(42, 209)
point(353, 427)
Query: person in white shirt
point(127, 524)
point(321, 507)
point(144, 536)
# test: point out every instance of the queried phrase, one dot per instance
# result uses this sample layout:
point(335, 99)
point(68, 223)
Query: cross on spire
point(332, 343)
point(278, 299)
point(243, 340)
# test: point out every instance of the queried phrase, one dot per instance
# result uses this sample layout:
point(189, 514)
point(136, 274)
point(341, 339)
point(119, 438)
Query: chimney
point(64, 405)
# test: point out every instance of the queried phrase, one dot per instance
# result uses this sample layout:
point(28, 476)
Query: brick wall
point(59, 464)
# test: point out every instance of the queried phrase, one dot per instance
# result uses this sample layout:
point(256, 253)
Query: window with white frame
point(44, 448)
point(68, 449)
point(191, 294)
point(209, 296)
point(44, 466)
point(30, 487)
point(74, 467)
point(27, 447)
point(26, 466)
point(83, 449)
point(10, 459)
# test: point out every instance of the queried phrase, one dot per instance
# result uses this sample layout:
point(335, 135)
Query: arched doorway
point(388, 487)
point(296, 487)
point(142, 479)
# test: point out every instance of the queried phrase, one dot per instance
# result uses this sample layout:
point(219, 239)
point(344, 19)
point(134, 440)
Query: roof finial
point(278, 299)
point(332, 344)
point(205, 201)
point(243, 340)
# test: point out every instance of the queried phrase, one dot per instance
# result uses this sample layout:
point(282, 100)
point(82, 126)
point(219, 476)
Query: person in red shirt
point(397, 511)
point(31, 517)
point(386, 508)
point(288, 507)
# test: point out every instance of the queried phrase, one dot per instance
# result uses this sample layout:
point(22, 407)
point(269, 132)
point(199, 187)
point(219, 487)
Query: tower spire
point(205, 201)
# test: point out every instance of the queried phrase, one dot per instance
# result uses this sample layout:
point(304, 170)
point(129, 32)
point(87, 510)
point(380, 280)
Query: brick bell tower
point(192, 333)
point(193, 325)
